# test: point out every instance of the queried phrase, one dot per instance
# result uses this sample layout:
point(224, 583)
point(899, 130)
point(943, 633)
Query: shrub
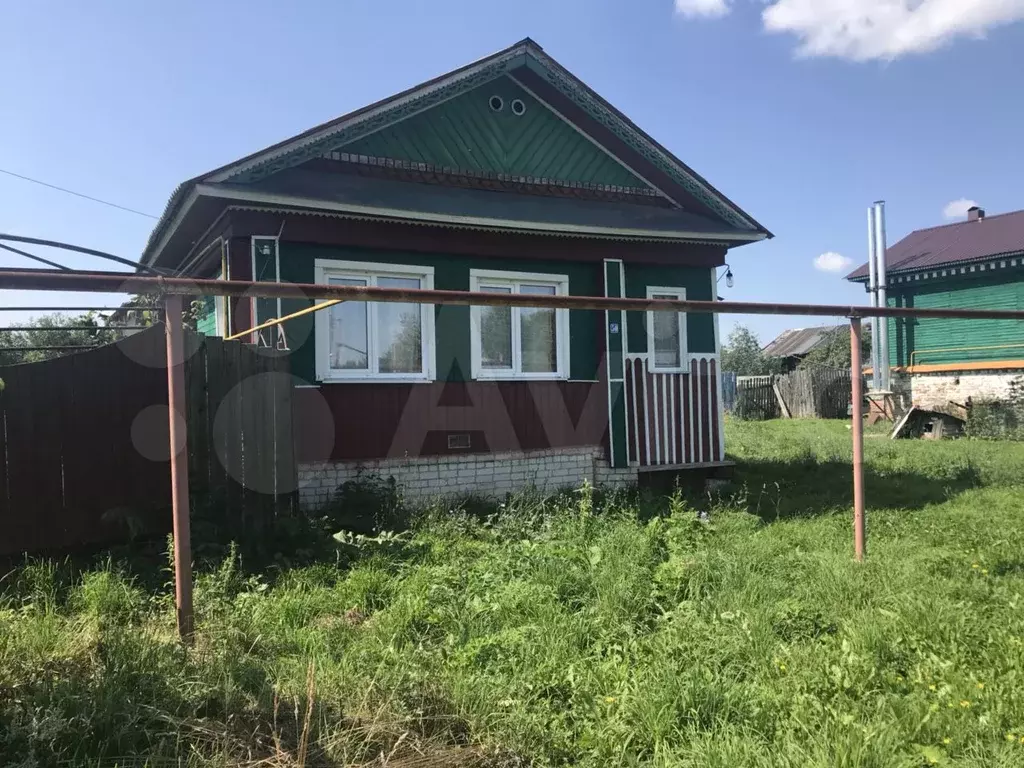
point(999, 419)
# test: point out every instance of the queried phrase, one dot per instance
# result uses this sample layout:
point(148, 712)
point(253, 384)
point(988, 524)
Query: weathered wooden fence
point(822, 393)
point(755, 398)
point(84, 455)
point(728, 391)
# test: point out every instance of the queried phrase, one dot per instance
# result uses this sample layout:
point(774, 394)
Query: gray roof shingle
point(798, 341)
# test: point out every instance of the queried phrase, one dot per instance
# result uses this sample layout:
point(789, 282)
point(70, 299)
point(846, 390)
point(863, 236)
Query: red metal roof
point(953, 243)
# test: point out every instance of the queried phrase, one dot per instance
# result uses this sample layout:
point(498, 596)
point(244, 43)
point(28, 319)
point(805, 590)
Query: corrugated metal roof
point(953, 243)
point(798, 341)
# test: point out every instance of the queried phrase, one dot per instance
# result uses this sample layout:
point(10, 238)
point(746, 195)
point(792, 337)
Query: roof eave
point(426, 217)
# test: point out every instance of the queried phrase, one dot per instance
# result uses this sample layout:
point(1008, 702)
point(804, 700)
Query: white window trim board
point(504, 278)
point(252, 273)
point(680, 294)
point(324, 268)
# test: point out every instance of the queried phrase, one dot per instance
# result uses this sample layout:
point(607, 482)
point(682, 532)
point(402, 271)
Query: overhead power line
point(78, 194)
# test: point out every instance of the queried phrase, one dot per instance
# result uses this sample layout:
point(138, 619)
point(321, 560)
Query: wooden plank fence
point(755, 398)
point(84, 456)
point(822, 393)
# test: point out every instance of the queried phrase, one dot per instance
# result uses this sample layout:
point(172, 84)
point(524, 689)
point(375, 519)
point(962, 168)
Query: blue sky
point(801, 111)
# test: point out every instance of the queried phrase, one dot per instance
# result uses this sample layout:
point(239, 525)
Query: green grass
point(581, 631)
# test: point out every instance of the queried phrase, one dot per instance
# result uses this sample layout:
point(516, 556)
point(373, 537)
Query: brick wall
point(936, 390)
point(486, 474)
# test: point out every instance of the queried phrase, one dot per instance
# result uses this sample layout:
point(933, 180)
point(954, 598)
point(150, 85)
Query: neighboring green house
point(972, 264)
point(508, 175)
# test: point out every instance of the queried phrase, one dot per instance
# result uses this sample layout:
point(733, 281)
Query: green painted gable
point(939, 340)
point(466, 134)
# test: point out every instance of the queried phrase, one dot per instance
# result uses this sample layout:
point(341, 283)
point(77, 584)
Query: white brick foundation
point(936, 390)
point(484, 474)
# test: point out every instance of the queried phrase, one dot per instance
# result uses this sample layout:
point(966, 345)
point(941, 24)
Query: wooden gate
point(673, 419)
point(84, 455)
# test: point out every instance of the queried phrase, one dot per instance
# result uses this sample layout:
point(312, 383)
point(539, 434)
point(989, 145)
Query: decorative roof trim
point(408, 165)
point(579, 92)
point(370, 121)
point(209, 190)
point(314, 142)
point(450, 86)
point(954, 269)
point(594, 142)
point(356, 217)
point(286, 203)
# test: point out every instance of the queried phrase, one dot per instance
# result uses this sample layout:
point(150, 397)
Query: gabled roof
point(799, 341)
point(528, 65)
point(964, 241)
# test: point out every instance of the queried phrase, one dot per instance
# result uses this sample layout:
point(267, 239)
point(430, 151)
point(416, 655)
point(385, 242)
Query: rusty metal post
point(856, 379)
point(179, 465)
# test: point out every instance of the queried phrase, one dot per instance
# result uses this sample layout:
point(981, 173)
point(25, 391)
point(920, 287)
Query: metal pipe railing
point(173, 288)
point(962, 349)
point(118, 282)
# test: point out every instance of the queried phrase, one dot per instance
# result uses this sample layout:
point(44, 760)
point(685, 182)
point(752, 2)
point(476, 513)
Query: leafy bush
point(999, 419)
point(368, 504)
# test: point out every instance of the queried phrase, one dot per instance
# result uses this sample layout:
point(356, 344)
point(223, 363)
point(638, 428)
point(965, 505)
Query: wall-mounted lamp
point(728, 276)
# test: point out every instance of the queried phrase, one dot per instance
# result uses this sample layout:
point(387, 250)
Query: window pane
point(347, 336)
point(667, 352)
point(537, 331)
point(399, 331)
point(496, 333)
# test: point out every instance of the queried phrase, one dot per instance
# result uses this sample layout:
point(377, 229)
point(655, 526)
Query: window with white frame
point(375, 340)
point(519, 342)
point(666, 332)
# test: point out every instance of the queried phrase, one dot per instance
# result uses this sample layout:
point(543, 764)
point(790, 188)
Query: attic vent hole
point(518, 107)
point(497, 103)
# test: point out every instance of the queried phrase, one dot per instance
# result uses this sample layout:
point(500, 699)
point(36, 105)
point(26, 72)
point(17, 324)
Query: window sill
point(374, 380)
point(520, 377)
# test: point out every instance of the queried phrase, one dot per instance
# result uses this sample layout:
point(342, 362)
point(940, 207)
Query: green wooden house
point(973, 264)
point(508, 175)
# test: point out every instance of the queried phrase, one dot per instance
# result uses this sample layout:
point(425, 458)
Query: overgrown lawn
point(583, 630)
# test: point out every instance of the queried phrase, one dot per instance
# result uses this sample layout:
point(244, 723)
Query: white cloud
point(958, 208)
point(706, 8)
point(831, 261)
point(862, 30)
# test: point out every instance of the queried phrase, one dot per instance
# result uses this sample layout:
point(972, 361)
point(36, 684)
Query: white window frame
point(370, 271)
point(480, 278)
point(679, 294)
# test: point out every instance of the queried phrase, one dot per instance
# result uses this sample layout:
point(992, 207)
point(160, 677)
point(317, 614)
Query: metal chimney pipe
point(873, 290)
point(883, 322)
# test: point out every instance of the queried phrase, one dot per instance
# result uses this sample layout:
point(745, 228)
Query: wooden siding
point(673, 418)
point(700, 328)
point(451, 272)
point(206, 319)
point(477, 244)
point(1003, 339)
point(344, 422)
point(466, 134)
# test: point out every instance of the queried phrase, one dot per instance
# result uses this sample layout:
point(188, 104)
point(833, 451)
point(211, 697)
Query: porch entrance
point(673, 419)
